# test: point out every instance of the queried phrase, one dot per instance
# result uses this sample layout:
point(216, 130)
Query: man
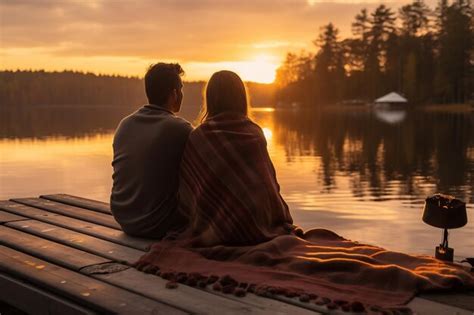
point(148, 146)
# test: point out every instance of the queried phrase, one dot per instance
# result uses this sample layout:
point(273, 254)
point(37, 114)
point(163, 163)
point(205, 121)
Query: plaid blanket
point(241, 238)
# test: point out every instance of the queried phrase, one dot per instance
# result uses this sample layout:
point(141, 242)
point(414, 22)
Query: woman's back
point(228, 187)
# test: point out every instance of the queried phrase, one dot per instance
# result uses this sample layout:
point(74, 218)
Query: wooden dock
point(61, 254)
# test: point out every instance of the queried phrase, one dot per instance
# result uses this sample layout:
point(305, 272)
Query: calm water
point(361, 173)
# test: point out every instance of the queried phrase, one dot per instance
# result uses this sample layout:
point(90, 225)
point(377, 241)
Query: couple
point(210, 197)
point(214, 184)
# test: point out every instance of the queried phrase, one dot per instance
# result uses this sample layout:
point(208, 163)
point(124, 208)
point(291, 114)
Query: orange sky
point(250, 37)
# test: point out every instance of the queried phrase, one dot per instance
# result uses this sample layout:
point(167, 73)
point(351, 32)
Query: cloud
point(183, 30)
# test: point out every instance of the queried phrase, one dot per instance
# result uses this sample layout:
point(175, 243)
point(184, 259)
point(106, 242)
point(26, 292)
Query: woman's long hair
point(225, 92)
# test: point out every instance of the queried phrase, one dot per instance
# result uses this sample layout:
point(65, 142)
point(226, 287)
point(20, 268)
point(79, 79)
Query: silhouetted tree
point(427, 60)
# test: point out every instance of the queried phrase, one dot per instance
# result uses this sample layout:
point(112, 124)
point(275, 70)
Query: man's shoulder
point(179, 123)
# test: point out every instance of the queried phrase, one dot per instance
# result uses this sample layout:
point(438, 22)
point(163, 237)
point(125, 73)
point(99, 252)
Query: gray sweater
point(148, 146)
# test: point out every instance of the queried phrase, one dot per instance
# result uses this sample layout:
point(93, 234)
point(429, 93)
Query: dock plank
point(78, 225)
point(80, 288)
point(33, 300)
point(422, 306)
point(9, 217)
point(461, 300)
point(70, 211)
point(190, 299)
point(60, 254)
point(195, 300)
point(79, 202)
point(84, 242)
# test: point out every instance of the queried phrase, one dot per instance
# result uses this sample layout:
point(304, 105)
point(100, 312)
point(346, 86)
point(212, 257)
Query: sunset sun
point(261, 69)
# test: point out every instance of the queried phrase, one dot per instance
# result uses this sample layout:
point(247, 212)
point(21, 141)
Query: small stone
point(217, 286)
point(240, 292)
point(202, 283)
point(304, 298)
point(171, 285)
point(357, 307)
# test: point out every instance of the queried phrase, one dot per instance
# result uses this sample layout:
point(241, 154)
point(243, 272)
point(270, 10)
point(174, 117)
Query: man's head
point(163, 85)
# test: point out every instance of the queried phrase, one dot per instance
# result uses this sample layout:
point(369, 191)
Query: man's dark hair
point(160, 80)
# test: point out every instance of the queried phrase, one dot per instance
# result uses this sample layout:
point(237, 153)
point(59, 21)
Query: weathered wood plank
point(9, 217)
point(33, 300)
point(87, 243)
point(70, 211)
point(273, 303)
point(139, 282)
point(194, 300)
point(461, 300)
point(81, 226)
point(66, 256)
point(426, 307)
point(91, 293)
point(80, 202)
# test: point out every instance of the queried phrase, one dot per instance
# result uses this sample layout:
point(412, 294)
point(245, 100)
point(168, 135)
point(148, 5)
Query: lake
point(360, 172)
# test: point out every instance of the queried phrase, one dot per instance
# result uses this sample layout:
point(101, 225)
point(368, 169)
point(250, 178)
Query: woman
point(228, 187)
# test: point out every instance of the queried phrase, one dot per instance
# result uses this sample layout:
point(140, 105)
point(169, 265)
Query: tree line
point(79, 89)
point(425, 54)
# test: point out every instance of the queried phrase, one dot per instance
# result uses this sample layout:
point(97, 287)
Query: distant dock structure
point(392, 99)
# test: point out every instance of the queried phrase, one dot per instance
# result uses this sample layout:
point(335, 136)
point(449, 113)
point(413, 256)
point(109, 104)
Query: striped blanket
point(241, 237)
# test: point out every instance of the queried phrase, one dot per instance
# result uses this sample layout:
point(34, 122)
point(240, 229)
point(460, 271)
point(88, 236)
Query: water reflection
point(427, 149)
point(390, 116)
point(348, 171)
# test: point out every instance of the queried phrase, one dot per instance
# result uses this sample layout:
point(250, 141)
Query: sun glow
point(262, 69)
point(267, 132)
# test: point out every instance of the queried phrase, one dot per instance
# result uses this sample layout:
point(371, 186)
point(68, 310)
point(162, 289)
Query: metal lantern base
point(444, 253)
